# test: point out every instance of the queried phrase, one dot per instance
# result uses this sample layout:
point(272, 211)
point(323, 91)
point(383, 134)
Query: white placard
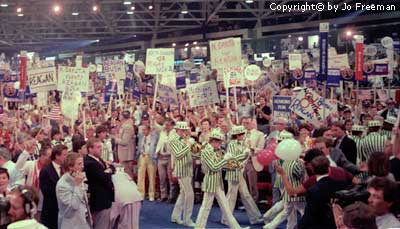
point(42, 79)
point(203, 94)
point(226, 53)
point(115, 67)
point(72, 79)
point(294, 61)
point(252, 72)
point(159, 60)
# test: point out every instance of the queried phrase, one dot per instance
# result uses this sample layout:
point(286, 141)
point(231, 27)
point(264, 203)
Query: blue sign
point(280, 106)
point(309, 75)
point(180, 82)
point(334, 78)
point(376, 69)
point(110, 90)
point(194, 77)
point(323, 56)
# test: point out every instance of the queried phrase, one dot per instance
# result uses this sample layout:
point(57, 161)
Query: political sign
point(180, 82)
point(294, 61)
point(252, 72)
point(159, 60)
point(73, 79)
point(323, 55)
point(334, 77)
point(226, 53)
point(233, 76)
point(167, 94)
point(116, 67)
point(202, 94)
point(110, 89)
point(310, 106)
point(340, 61)
point(280, 106)
point(42, 79)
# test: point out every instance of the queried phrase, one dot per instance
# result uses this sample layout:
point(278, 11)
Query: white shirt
point(320, 177)
point(387, 221)
point(15, 176)
point(332, 163)
point(57, 167)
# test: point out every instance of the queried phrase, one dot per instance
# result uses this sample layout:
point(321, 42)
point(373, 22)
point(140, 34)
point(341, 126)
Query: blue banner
point(323, 56)
point(376, 69)
point(110, 90)
point(180, 82)
point(309, 75)
point(136, 93)
point(334, 78)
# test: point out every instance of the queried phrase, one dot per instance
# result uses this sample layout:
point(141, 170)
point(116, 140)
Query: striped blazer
point(211, 166)
point(295, 171)
point(358, 141)
point(182, 158)
point(373, 142)
point(241, 153)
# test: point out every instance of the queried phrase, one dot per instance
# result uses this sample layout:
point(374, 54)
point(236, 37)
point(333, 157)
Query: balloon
point(288, 149)
point(266, 157)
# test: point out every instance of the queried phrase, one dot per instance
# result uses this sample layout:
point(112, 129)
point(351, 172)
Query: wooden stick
point(155, 93)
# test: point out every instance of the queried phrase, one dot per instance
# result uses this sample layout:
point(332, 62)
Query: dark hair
point(304, 126)
point(100, 129)
point(4, 171)
point(43, 150)
point(170, 121)
point(388, 187)
point(320, 165)
point(54, 132)
point(378, 164)
point(340, 125)
point(311, 154)
point(126, 114)
point(328, 142)
point(320, 132)
point(57, 151)
point(77, 142)
point(35, 132)
point(359, 215)
point(28, 194)
point(205, 120)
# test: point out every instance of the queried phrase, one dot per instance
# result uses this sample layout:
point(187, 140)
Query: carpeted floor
point(156, 215)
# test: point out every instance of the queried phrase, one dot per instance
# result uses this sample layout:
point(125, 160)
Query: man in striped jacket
point(236, 181)
point(374, 141)
point(183, 170)
point(357, 136)
point(212, 164)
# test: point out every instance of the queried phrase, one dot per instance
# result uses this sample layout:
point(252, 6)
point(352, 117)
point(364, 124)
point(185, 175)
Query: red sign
point(359, 61)
point(22, 73)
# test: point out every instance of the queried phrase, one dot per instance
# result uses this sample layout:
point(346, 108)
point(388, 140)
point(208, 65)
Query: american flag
point(55, 113)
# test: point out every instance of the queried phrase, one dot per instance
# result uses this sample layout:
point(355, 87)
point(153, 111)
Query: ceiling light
point(97, 40)
point(349, 33)
point(300, 38)
point(173, 44)
point(95, 8)
point(129, 12)
point(184, 9)
point(4, 5)
point(195, 42)
point(127, 2)
point(56, 8)
point(197, 47)
point(289, 36)
point(355, 36)
point(19, 10)
point(150, 7)
point(20, 15)
point(249, 1)
point(187, 44)
point(132, 8)
point(75, 14)
point(186, 49)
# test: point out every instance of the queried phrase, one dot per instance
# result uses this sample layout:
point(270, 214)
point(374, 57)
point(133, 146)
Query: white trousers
point(206, 206)
point(251, 208)
point(289, 212)
point(184, 203)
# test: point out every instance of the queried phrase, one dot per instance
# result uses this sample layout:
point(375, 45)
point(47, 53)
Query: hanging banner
point(359, 57)
point(42, 79)
point(294, 61)
point(73, 79)
point(233, 76)
point(334, 78)
point(310, 106)
point(226, 53)
point(280, 105)
point(159, 60)
point(203, 94)
point(115, 67)
point(22, 71)
point(323, 55)
point(167, 94)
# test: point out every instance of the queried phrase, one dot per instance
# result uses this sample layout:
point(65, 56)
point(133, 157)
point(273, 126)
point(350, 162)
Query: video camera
point(350, 196)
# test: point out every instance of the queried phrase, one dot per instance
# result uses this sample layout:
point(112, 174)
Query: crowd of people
point(61, 173)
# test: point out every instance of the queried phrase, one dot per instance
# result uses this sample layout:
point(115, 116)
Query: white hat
point(217, 134)
point(26, 224)
point(357, 128)
point(391, 120)
point(281, 119)
point(374, 123)
point(238, 130)
point(284, 135)
point(181, 126)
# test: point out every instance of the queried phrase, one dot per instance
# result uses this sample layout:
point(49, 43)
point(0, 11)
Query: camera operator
point(383, 195)
point(23, 202)
point(263, 114)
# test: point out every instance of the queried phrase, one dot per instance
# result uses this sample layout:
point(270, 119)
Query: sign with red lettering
point(226, 53)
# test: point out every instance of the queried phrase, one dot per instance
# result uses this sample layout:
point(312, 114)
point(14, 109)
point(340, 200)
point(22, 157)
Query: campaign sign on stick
point(294, 61)
point(180, 82)
point(167, 94)
point(202, 94)
point(309, 75)
point(334, 77)
point(226, 53)
point(73, 79)
point(42, 79)
point(310, 106)
point(252, 72)
point(234, 76)
point(159, 60)
point(281, 106)
point(323, 55)
point(110, 89)
point(116, 67)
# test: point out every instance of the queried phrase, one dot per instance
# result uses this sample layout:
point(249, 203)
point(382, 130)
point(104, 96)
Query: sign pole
point(155, 93)
point(236, 104)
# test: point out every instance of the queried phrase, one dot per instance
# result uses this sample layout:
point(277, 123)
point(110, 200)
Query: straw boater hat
point(284, 135)
point(281, 119)
point(238, 130)
point(391, 120)
point(26, 224)
point(374, 123)
point(181, 126)
point(358, 128)
point(217, 134)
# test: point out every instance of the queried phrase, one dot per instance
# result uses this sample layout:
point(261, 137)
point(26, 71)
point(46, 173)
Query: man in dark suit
point(343, 142)
point(101, 188)
point(48, 179)
point(318, 212)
